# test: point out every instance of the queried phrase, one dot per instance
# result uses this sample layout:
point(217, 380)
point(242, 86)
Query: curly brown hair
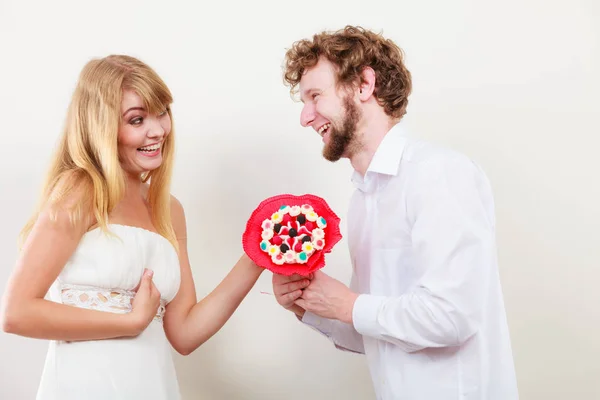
point(350, 50)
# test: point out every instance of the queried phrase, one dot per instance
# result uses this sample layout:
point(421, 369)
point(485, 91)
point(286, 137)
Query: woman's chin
point(140, 168)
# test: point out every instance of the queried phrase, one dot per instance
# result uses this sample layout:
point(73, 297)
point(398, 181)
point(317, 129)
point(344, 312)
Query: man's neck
point(372, 133)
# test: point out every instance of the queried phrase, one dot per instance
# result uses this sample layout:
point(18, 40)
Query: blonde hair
point(87, 156)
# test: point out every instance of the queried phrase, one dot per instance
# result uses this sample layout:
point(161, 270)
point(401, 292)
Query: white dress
point(100, 275)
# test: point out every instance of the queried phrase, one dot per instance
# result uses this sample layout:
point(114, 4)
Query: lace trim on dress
point(117, 301)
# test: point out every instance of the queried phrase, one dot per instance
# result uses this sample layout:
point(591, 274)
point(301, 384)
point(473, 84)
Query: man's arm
point(343, 335)
point(450, 206)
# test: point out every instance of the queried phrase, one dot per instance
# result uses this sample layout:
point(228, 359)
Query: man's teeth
point(153, 147)
point(323, 128)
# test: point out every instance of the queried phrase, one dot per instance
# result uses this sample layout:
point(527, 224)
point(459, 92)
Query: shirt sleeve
point(450, 206)
point(344, 336)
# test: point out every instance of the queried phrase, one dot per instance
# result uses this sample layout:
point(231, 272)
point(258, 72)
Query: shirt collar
point(386, 160)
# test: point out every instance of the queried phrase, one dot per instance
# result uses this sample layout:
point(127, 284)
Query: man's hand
point(328, 298)
point(288, 289)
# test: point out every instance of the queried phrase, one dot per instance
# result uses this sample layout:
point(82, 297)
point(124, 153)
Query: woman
point(109, 244)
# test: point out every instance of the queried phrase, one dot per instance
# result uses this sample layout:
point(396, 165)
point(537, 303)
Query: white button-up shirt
point(430, 315)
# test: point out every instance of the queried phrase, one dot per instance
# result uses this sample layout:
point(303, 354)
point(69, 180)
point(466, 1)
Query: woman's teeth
point(150, 148)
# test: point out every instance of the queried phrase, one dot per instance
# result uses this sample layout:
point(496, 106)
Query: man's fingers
point(284, 289)
point(281, 284)
point(288, 289)
point(290, 298)
point(301, 303)
point(293, 286)
point(287, 299)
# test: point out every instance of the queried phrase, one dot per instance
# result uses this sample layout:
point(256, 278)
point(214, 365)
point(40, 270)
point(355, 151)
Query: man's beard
point(342, 139)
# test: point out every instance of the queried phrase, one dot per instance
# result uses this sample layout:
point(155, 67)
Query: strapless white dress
point(100, 275)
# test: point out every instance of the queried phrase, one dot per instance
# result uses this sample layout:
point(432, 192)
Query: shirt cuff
point(364, 314)
point(321, 324)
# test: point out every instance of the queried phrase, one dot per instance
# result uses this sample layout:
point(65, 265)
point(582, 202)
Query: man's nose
point(307, 116)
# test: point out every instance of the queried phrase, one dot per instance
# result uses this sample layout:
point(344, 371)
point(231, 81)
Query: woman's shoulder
point(178, 217)
point(71, 187)
point(66, 207)
point(71, 198)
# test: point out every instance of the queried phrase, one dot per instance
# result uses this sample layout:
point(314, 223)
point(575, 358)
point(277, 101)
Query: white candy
point(318, 233)
point(285, 210)
point(267, 234)
point(274, 250)
point(306, 208)
point(277, 260)
point(267, 224)
point(294, 211)
point(320, 223)
point(311, 216)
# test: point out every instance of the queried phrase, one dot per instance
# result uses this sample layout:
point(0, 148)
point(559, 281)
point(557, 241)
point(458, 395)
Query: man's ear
point(367, 84)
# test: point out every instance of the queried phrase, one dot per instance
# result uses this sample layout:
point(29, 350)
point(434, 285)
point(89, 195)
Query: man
point(425, 302)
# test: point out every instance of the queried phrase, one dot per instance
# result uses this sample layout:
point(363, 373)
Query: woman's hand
point(145, 303)
point(288, 289)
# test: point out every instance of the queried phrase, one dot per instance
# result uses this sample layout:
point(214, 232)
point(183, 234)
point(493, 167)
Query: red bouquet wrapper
point(289, 234)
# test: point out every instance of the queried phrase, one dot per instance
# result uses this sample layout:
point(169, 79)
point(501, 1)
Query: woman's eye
point(136, 121)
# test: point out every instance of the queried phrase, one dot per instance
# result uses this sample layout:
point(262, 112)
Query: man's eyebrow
point(306, 93)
